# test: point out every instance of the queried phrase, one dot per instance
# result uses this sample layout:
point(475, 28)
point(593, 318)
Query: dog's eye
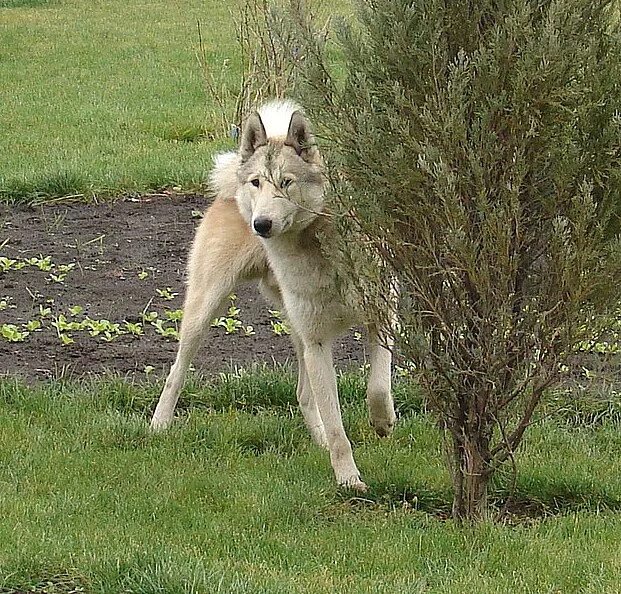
point(285, 182)
point(255, 182)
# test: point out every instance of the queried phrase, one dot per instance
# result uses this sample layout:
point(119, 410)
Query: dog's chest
point(311, 292)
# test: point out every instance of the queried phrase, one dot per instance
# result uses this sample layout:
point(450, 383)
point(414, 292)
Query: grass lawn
point(235, 498)
point(98, 97)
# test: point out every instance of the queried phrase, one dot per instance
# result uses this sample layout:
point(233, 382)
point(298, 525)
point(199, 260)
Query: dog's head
point(280, 176)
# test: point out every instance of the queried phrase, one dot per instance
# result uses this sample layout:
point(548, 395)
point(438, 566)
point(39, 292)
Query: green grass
point(103, 97)
point(235, 498)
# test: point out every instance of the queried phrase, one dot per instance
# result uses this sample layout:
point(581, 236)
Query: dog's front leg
point(205, 298)
point(322, 378)
point(306, 399)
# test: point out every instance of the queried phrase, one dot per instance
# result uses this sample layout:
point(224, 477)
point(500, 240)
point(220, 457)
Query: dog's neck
point(306, 241)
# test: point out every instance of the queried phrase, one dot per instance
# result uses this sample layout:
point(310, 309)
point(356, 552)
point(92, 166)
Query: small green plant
point(231, 322)
point(6, 263)
point(279, 326)
point(61, 274)
point(174, 315)
point(134, 329)
point(33, 325)
point(230, 325)
point(66, 339)
point(44, 312)
point(12, 333)
point(149, 317)
point(5, 303)
point(44, 264)
point(103, 328)
point(166, 294)
point(166, 331)
point(61, 324)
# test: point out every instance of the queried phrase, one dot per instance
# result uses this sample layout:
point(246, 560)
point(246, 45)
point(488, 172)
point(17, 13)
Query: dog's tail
point(223, 178)
point(276, 116)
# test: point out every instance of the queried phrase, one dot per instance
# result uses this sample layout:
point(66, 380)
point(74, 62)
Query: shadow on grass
point(526, 505)
point(25, 4)
point(63, 582)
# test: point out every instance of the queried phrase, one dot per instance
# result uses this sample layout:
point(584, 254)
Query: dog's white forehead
point(274, 161)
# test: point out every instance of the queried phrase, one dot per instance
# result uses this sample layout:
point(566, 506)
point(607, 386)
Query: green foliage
point(476, 146)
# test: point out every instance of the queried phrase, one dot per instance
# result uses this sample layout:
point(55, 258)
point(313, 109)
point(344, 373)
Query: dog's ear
point(300, 137)
point(253, 136)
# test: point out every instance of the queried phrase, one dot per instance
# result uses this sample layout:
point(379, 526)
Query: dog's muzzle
point(262, 226)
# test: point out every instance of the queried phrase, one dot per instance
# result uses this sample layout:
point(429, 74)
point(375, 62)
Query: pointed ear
point(299, 136)
point(253, 136)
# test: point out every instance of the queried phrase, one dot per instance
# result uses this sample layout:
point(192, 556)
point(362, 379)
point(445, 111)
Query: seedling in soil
point(231, 322)
point(66, 339)
point(105, 328)
point(44, 312)
point(33, 325)
point(44, 264)
point(279, 326)
point(63, 269)
point(12, 333)
point(76, 310)
point(230, 325)
point(174, 315)
point(166, 293)
point(143, 274)
point(166, 331)
point(6, 263)
point(134, 328)
point(63, 326)
point(5, 303)
point(150, 317)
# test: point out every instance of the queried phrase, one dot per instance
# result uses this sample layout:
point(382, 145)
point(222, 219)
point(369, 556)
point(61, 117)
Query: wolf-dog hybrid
point(265, 224)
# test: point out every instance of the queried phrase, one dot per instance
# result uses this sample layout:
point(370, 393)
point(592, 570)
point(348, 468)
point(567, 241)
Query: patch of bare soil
point(115, 261)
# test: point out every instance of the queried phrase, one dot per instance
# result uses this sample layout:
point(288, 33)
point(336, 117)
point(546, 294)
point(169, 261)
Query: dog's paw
point(159, 424)
point(384, 427)
point(354, 483)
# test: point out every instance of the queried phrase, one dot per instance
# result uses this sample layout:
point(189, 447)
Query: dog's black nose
point(262, 226)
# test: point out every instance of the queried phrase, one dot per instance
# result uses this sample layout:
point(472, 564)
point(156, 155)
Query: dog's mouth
point(266, 228)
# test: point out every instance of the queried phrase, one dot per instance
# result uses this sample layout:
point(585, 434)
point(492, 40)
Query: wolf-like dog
point(265, 225)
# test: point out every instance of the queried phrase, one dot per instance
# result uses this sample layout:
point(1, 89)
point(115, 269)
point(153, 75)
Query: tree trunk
point(471, 474)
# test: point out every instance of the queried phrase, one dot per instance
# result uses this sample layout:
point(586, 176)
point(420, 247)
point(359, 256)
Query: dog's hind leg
point(379, 397)
point(322, 378)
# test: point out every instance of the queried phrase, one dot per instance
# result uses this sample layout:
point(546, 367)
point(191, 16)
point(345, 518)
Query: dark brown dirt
point(110, 245)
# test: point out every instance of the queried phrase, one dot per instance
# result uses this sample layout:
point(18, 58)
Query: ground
point(117, 262)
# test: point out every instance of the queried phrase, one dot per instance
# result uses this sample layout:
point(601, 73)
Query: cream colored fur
point(276, 177)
